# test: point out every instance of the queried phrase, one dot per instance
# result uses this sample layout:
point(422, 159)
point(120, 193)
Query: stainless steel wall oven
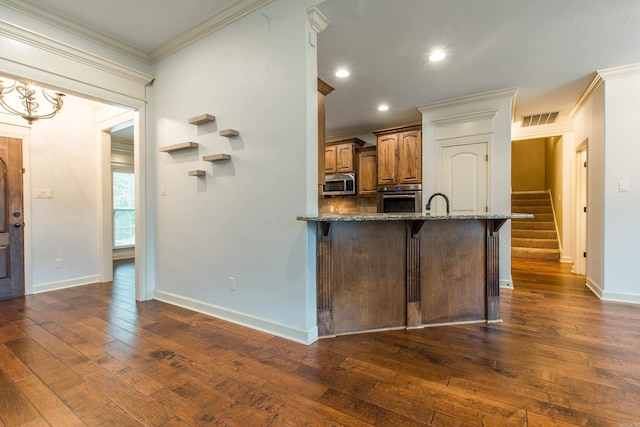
point(400, 198)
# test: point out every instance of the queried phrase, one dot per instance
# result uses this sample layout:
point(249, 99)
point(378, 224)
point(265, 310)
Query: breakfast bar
point(405, 270)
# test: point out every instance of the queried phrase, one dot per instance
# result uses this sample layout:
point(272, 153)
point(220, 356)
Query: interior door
point(464, 178)
point(580, 264)
point(11, 219)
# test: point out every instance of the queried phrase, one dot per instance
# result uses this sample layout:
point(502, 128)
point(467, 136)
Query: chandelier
point(19, 98)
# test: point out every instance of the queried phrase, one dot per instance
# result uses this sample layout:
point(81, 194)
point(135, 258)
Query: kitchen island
point(390, 271)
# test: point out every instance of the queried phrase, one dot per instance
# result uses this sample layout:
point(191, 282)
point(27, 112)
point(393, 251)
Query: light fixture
point(342, 73)
point(383, 107)
point(19, 98)
point(437, 55)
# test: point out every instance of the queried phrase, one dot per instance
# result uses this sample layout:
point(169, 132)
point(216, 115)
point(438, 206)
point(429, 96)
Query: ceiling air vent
point(539, 119)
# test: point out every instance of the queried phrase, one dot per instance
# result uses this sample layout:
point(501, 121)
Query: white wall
point(64, 158)
point(621, 209)
point(257, 76)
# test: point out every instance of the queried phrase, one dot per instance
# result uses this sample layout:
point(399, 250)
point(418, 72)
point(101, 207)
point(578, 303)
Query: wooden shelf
point(216, 157)
point(178, 147)
point(229, 132)
point(197, 173)
point(201, 119)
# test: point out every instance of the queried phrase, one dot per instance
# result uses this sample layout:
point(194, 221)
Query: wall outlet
point(59, 263)
point(232, 283)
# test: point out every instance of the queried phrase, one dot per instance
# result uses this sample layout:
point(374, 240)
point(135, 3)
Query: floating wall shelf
point(197, 173)
point(201, 119)
point(216, 157)
point(229, 132)
point(178, 147)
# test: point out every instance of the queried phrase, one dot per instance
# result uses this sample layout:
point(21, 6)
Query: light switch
point(44, 193)
point(623, 186)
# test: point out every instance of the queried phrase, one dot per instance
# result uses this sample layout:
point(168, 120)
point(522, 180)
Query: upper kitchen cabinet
point(339, 156)
point(367, 166)
point(400, 155)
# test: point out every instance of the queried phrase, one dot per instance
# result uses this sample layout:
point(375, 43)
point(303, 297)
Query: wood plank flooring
point(93, 356)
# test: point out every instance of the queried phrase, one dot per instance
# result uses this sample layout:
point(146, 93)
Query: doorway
point(12, 223)
point(580, 266)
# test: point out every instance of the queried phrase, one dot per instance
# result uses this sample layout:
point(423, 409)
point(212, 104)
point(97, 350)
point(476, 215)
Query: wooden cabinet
point(367, 165)
point(400, 155)
point(339, 156)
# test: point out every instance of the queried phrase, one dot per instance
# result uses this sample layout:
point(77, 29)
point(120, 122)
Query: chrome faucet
point(446, 199)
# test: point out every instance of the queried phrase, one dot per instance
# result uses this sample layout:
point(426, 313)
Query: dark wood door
point(11, 219)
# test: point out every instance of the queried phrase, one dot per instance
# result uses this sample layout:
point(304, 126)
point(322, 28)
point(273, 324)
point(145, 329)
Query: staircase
point(534, 238)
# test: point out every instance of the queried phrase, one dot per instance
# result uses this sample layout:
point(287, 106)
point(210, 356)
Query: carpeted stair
point(534, 238)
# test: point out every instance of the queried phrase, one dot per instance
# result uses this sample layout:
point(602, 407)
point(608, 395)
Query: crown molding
point(47, 44)
point(318, 21)
point(232, 13)
point(486, 96)
point(73, 27)
point(461, 118)
point(619, 72)
point(587, 94)
point(228, 15)
point(599, 79)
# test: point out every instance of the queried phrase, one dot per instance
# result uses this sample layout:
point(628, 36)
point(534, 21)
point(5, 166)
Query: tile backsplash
point(347, 204)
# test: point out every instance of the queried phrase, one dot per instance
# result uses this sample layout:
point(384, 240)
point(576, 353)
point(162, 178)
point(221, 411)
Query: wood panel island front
point(387, 271)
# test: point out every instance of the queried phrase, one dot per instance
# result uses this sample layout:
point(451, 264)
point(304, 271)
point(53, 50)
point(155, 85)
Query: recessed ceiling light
point(383, 107)
point(437, 55)
point(342, 73)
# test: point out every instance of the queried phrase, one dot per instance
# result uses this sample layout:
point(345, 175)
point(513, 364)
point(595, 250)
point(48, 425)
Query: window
point(124, 213)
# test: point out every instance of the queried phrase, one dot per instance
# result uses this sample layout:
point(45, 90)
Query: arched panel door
point(11, 219)
point(464, 177)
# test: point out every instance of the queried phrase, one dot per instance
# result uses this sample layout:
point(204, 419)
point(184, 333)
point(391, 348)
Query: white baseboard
point(70, 283)
point(507, 284)
point(594, 287)
point(612, 296)
point(566, 259)
point(265, 325)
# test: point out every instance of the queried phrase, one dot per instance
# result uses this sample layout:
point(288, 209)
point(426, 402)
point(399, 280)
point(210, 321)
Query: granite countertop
point(406, 217)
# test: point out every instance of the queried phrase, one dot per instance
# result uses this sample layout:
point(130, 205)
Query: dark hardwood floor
point(93, 356)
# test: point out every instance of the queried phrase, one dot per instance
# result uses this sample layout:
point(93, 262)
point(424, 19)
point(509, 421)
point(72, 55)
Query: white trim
point(215, 22)
point(67, 51)
point(318, 21)
point(80, 30)
point(594, 287)
point(496, 94)
point(617, 297)
point(70, 283)
point(566, 259)
point(235, 11)
point(506, 284)
point(620, 72)
point(586, 95)
point(462, 118)
point(611, 296)
point(261, 324)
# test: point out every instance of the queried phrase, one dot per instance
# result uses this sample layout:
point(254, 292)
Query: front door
point(11, 219)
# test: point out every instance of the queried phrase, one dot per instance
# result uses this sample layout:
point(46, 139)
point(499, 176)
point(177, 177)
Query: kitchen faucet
point(446, 199)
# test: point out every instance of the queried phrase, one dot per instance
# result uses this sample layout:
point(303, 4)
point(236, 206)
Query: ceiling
point(548, 49)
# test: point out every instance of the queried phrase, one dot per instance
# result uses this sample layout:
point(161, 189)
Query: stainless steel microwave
point(340, 184)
